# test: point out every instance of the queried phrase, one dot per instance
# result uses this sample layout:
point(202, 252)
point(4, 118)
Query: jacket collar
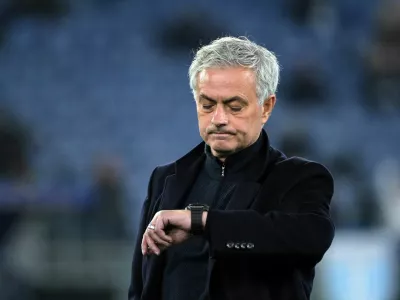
point(189, 165)
point(187, 168)
point(242, 165)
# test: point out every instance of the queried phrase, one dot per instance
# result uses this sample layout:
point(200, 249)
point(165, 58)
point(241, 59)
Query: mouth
point(222, 135)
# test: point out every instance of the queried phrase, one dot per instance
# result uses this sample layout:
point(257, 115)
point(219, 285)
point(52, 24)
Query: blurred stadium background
point(94, 94)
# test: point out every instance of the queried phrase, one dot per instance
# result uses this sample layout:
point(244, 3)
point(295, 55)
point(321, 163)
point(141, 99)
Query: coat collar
point(187, 168)
point(192, 160)
point(242, 165)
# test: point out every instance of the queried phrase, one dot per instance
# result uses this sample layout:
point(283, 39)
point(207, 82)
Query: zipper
point(223, 170)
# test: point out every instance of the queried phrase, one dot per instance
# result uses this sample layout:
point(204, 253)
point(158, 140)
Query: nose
point(220, 118)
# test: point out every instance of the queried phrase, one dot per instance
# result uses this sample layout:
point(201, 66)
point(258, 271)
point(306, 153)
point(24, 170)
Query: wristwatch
point(196, 211)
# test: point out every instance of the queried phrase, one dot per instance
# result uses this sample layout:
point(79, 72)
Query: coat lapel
point(178, 185)
point(246, 192)
point(175, 188)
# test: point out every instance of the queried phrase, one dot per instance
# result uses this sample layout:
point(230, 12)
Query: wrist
point(198, 218)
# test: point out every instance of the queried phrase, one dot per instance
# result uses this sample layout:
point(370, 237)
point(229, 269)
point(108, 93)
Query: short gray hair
point(238, 52)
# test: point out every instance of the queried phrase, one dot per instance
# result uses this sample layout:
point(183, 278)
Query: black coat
point(266, 243)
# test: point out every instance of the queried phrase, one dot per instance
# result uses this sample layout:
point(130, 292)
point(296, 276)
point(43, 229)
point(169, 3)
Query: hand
point(178, 236)
point(154, 239)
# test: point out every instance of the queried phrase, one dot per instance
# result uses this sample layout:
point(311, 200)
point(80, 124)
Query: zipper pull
point(223, 171)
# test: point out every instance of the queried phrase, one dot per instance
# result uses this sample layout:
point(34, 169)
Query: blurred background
point(94, 94)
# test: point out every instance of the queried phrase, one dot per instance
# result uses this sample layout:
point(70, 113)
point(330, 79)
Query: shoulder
point(298, 169)
point(161, 172)
point(303, 166)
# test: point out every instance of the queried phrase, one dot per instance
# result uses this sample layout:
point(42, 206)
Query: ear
point(267, 108)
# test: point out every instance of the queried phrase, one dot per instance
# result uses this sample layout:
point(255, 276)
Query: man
point(234, 218)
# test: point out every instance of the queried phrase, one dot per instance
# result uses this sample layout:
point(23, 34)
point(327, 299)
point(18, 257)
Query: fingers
point(154, 241)
point(149, 246)
point(164, 239)
point(160, 222)
point(156, 230)
point(162, 248)
point(152, 246)
point(145, 248)
point(176, 235)
point(155, 236)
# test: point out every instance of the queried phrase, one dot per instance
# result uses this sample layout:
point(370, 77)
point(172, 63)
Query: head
point(234, 82)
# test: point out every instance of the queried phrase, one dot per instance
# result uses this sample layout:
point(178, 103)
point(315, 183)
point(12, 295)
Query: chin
point(222, 149)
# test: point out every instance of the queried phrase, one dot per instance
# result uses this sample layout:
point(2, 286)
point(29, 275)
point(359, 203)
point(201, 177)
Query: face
point(230, 117)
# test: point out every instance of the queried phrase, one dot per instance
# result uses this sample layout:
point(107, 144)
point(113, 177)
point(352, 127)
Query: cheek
point(204, 118)
point(248, 127)
point(243, 124)
point(203, 123)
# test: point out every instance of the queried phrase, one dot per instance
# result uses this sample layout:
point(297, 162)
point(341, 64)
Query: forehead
point(227, 82)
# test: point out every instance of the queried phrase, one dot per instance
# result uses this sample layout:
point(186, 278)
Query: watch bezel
point(198, 206)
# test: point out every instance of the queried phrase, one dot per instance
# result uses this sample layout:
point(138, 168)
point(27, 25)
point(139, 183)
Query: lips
point(221, 136)
point(221, 133)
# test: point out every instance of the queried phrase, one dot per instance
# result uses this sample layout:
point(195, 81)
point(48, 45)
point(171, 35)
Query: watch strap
point(197, 223)
point(196, 212)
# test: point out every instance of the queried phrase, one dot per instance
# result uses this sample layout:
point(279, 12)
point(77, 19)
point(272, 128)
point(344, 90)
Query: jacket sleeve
point(301, 227)
point(136, 284)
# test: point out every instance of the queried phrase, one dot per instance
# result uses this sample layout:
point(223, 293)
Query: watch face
point(198, 206)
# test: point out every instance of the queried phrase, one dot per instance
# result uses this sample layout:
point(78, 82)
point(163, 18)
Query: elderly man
point(234, 218)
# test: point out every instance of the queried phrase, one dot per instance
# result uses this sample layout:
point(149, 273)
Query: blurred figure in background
point(296, 142)
point(306, 86)
point(183, 33)
point(382, 66)
point(104, 219)
point(15, 151)
point(300, 11)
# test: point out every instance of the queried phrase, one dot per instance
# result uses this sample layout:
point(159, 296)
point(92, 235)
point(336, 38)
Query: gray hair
point(238, 52)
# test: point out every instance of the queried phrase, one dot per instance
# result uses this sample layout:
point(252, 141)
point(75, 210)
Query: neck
point(221, 157)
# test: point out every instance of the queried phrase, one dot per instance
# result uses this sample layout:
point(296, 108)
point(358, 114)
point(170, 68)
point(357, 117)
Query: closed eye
point(236, 108)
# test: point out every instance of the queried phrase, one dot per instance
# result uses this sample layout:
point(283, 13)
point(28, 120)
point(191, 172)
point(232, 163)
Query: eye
point(207, 107)
point(236, 108)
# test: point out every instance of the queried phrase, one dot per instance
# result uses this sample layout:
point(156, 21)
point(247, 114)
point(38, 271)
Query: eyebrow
point(225, 101)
